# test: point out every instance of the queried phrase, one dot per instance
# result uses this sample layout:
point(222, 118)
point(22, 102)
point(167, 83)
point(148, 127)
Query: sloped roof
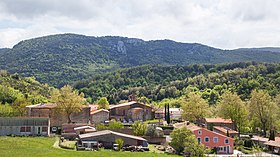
point(192, 127)
point(273, 143)
point(97, 111)
point(107, 132)
point(224, 130)
point(20, 121)
point(84, 127)
point(218, 120)
point(42, 105)
point(127, 104)
point(259, 138)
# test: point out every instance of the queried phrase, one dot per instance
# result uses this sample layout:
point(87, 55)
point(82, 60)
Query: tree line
point(156, 83)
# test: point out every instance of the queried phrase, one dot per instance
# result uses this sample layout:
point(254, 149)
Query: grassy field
point(43, 147)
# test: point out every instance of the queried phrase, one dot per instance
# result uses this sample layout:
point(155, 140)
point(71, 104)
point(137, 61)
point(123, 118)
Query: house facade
point(57, 119)
point(175, 114)
point(24, 126)
point(131, 111)
point(221, 143)
point(99, 116)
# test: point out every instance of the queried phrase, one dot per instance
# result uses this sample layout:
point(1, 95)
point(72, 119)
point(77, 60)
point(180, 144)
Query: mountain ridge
point(64, 58)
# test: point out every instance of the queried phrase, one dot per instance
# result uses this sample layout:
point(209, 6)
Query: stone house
point(131, 111)
point(57, 119)
point(99, 116)
point(24, 126)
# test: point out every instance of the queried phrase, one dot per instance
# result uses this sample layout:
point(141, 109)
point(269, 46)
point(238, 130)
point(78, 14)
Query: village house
point(57, 119)
point(221, 143)
point(68, 130)
point(107, 138)
point(209, 123)
point(272, 145)
point(99, 116)
point(225, 131)
point(175, 114)
point(24, 126)
point(130, 112)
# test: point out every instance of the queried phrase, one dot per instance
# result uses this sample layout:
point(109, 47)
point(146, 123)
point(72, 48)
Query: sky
point(226, 24)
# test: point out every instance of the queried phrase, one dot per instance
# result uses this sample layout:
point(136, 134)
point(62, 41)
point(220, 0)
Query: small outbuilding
point(107, 138)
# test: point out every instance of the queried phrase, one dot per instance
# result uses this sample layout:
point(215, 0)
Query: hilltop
point(66, 58)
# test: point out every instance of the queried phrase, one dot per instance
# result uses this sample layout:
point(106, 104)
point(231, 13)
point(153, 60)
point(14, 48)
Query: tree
point(262, 109)
point(68, 101)
point(232, 107)
point(139, 128)
point(194, 107)
point(6, 110)
point(103, 103)
point(168, 115)
point(183, 140)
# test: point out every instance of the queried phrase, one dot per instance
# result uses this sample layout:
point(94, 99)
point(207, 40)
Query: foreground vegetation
point(43, 147)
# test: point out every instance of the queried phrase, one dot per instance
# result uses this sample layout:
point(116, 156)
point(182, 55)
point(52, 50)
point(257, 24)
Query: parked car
point(116, 147)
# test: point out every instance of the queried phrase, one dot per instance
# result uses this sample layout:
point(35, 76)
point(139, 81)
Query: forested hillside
point(65, 58)
point(160, 82)
point(16, 92)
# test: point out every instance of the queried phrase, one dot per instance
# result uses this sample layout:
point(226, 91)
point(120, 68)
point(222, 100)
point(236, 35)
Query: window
point(28, 129)
point(22, 129)
point(225, 149)
point(199, 132)
point(44, 129)
point(206, 139)
point(226, 141)
point(215, 139)
point(199, 140)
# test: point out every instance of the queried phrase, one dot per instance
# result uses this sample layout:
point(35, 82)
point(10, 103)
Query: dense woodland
point(159, 83)
point(239, 91)
point(65, 58)
point(16, 92)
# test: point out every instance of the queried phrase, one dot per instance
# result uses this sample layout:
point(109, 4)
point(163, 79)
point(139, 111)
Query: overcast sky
point(223, 24)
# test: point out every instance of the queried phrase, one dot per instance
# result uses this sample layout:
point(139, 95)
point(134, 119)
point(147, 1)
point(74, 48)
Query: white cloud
point(218, 23)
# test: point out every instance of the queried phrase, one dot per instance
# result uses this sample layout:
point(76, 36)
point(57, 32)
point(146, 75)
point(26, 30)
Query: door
point(39, 130)
point(228, 149)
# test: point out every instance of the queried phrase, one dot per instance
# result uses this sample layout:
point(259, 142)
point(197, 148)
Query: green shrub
point(120, 143)
point(139, 128)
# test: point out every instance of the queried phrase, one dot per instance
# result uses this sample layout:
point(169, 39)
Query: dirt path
point(56, 143)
